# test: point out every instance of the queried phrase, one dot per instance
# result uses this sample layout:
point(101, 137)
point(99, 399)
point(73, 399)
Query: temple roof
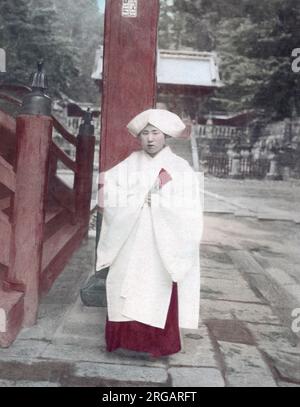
point(179, 68)
point(188, 68)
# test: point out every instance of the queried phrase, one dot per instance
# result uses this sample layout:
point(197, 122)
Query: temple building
point(185, 79)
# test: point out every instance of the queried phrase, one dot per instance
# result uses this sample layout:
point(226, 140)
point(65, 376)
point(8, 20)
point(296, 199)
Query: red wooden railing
point(42, 220)
point(8, 179)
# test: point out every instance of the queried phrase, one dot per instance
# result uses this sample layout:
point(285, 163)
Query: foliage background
point(64, 33)
point(253, 39)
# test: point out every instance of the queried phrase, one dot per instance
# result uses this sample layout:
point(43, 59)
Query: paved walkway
point(264, 200)
point(250, 283)
point(244, 338)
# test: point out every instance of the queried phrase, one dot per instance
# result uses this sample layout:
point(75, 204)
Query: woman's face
point(152, 140)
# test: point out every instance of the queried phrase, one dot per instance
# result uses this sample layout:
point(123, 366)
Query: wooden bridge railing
point(7, 175)
point(82, 168)
point(63, 132)
point(34, 256)
point(8, 179)
point(7, 182)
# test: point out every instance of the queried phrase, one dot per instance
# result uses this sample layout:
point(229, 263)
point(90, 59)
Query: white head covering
point(167, 122)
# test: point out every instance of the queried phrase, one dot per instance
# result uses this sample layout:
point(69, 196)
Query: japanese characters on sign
point(129, 8)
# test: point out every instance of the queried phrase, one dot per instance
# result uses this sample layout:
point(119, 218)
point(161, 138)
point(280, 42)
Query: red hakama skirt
point(140, 337)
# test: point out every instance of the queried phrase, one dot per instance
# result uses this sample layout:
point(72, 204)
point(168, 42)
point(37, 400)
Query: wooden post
point(34, 132)
point(129, 87)
point(34, 135)
point(129, 73)
point(84, 175)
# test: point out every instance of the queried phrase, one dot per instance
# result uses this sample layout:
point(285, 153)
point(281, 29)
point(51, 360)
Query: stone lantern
point(273, 147)
point(235, 152)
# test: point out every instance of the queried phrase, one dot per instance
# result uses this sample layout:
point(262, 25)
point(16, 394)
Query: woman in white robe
point(150, 240)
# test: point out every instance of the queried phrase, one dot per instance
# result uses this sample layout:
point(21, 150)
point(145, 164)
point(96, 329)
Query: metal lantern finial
point(86, 128)
point(36, 102)
point(87, 117)
point(39, 78)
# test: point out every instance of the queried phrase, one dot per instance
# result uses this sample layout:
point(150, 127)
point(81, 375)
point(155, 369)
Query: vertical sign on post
point(129, 8)
point(129, 73)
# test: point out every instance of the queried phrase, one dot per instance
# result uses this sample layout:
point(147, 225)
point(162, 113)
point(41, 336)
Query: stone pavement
point(250, 284)
point(244, 338)
point(264, 200)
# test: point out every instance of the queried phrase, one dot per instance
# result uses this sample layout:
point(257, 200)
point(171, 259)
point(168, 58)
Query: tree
point(256, 52)
point(29, 32)
point(254, 40)
point(15, 30)
point(49, 42)
point(64, 34)
point(83, 27)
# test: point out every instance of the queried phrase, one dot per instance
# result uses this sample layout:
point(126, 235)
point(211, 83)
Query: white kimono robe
point(149, 247)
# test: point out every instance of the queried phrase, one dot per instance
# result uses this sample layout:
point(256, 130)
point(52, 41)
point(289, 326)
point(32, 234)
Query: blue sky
point(101, 4)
